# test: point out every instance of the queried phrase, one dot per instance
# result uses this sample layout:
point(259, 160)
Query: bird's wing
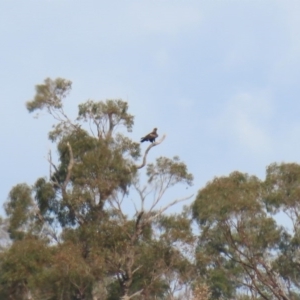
point(153, 134)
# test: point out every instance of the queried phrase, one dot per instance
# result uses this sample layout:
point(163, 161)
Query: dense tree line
point(95, 227)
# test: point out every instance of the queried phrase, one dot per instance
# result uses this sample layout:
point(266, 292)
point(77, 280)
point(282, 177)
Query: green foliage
point(106, 116)
point(282, 187)
point(69, 274)
point(173, 169)
point(19, 210)
point(282, 195)
point(21, 267)
point(44, 195)
point(50, 94)
point(241, 245)
point(227, 197)
point(176, 228)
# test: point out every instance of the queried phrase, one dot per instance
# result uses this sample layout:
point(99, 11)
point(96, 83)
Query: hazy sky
point(220, 78)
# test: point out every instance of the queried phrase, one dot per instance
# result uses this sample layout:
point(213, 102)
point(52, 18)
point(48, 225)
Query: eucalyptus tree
point(72, 234)
point(243, 252)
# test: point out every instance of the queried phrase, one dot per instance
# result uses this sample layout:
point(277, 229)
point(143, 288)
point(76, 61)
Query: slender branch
point(135, 207)
point(66, 182)
point(267, 279)
point(52, 177)
point(168, 206)
point(254, 282)
point(136, 294)
point(51, 164)
point(133, 295)
point(110, 125)
point(116, 204)
point(70, 166)
point(136, 269)
point(138, 220)
point(162, 191)
point(147, 151)
point(141, 194)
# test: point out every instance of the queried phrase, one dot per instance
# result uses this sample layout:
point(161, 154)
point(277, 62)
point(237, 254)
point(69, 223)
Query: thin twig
point(135, 294)
point(70, 166)
point(168, 206)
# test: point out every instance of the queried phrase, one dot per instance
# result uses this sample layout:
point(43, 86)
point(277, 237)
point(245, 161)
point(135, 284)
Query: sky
point(221, 78)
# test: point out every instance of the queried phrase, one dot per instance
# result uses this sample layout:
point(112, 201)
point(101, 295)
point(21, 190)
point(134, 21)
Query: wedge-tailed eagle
point(150, 137)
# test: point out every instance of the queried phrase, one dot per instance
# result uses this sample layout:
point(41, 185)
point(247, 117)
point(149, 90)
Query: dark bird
point(150, 137)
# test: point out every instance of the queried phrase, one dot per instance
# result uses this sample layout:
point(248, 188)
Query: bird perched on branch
point(150, 137)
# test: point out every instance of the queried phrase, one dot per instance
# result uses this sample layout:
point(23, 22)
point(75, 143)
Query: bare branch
point(51, 164)
point(110, 125)
point(52, 177)
point(136, 210)
point(142, 195)
point(139, 217)
point(133, 295)
point(70, 166)
point(162, 190)
point(168, 206)
point(148, 149)
point(136, 269)
point(67, 179)
point(115, 202)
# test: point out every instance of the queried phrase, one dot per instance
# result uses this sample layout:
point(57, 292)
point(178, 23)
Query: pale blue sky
point(220, 78)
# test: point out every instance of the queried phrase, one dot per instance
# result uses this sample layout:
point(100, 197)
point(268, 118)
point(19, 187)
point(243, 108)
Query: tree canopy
point(73, 236)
